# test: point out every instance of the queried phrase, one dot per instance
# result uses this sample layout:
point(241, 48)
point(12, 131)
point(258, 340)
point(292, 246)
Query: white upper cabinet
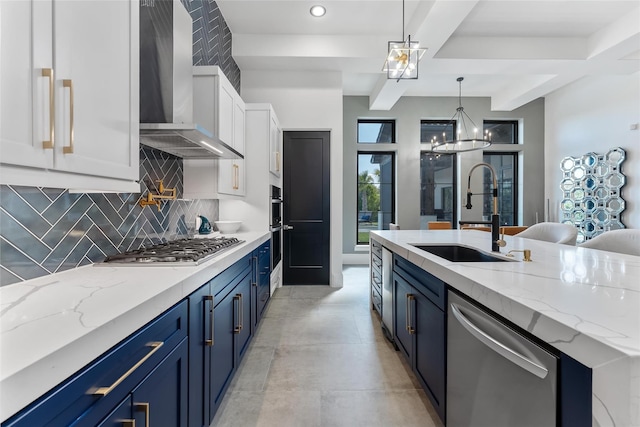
point(218, 107)
point(69, 94)
point(275, 146)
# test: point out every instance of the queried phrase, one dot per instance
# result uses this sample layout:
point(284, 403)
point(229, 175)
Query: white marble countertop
point(584, 302)
point(54, 325)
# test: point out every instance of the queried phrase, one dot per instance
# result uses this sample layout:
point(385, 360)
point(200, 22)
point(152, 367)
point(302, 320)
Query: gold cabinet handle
point(277, 161)
point(410, 298)
point(241, 313)
point(237, 327)
point(143, 407)
point(208, 341)
point(103, 391)
point(255, 268)
point(128, 423)
point(68, 149)
point(48, 72)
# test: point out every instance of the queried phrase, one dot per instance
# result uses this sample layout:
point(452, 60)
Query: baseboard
point(355, 259)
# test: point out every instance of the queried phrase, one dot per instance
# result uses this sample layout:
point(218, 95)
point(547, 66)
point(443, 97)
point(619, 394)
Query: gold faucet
point(526, 252)
point(156, 199)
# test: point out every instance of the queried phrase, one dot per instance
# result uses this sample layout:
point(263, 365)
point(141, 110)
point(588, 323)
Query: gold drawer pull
point(48, 72)
point(68, 149)
point(277, 161)
point(103, 391)
point(209, 341)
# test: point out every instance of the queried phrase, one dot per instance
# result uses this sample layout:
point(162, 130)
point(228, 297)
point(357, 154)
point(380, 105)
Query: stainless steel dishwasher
point(495, 376)
point(387, 293)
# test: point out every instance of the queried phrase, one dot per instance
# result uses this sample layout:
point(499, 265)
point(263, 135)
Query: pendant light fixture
point(403, 57)
point(462, 139)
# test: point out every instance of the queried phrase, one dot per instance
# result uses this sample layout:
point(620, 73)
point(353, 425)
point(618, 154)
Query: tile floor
point(319, 359)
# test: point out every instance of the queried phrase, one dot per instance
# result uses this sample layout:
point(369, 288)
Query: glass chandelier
point(403, 57)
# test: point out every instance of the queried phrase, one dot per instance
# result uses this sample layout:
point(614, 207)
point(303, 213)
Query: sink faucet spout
point(496, 242)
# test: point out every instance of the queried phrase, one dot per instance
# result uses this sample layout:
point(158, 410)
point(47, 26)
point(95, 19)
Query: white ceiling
point(513, 51)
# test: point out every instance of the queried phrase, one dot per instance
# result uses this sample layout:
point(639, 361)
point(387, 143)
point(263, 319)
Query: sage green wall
point(408, 112)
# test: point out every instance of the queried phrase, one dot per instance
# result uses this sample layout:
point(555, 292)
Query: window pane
point(502, 132)
point(430, 129)
point(505, 165)
point(437, 188)
point(376, 188)
point(376, 131)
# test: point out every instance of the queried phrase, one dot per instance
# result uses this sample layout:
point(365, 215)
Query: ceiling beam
point(432, 25)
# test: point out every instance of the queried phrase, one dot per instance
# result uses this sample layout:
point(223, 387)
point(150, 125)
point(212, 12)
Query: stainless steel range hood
point(166, 85)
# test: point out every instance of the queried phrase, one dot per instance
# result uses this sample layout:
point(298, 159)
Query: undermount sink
point(457, 253)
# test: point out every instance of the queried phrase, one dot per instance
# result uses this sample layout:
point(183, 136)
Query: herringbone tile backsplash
point(45, 230)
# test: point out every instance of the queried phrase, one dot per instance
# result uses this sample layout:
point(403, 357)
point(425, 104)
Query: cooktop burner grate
point(180, 252)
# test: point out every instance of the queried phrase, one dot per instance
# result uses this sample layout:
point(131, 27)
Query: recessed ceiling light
point(317, 11)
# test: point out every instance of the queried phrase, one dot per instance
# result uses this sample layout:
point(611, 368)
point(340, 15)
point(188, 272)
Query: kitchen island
point(583, 302)
point(55, 325)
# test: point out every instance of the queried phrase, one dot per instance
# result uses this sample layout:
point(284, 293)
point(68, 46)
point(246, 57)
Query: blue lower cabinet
point(87, 398)
point(220, 323)
point(160, 399)
point(262, 281)
point(420, 329)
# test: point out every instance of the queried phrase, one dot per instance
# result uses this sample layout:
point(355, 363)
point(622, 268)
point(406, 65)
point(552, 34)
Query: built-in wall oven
point(276, 225)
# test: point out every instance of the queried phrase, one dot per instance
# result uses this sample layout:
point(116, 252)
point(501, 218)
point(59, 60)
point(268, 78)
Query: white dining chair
point(393, 226)
point(624, 241)
point(554, 232)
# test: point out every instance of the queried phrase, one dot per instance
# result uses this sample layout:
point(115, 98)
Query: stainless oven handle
point(287, 227)
point(274, 229)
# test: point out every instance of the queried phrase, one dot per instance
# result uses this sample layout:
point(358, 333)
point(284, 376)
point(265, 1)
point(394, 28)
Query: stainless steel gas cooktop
point(187, 252)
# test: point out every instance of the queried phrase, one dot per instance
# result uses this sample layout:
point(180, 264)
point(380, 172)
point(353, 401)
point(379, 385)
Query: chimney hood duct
point(166, 85)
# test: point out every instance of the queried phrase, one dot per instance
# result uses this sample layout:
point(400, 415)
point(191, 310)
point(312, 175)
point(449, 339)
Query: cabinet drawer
point(376, 262)
point(376, 281)
point(432, 287)
point(376, 248)
point(85, 398)
point(220, 284)
point(376, 299)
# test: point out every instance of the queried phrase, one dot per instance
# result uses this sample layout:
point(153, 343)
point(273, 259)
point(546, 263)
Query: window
point(376, 131)
point(376, 193)
point(502, 131)
point(430, 129)
point(506, 167)
point(438, 188)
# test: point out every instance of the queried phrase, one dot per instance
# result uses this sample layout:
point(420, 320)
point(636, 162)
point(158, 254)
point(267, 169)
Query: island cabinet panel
point(575, 393)
point(219, 335)
point(420, 327)
point(107, 384)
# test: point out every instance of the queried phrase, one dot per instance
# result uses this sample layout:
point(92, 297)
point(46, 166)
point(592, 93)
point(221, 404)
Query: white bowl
point(227, 227)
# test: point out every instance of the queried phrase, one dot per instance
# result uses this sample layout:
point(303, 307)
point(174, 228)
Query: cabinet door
point(403, 299)
point(96, 87)
point(225, 111)
point(430, 350)
point(231, 177)
point(161, 398)
point(200, 345)
point(25, 96)
point(221, 357)
point(275, 146)
point(243, 304)
point(122, 416)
